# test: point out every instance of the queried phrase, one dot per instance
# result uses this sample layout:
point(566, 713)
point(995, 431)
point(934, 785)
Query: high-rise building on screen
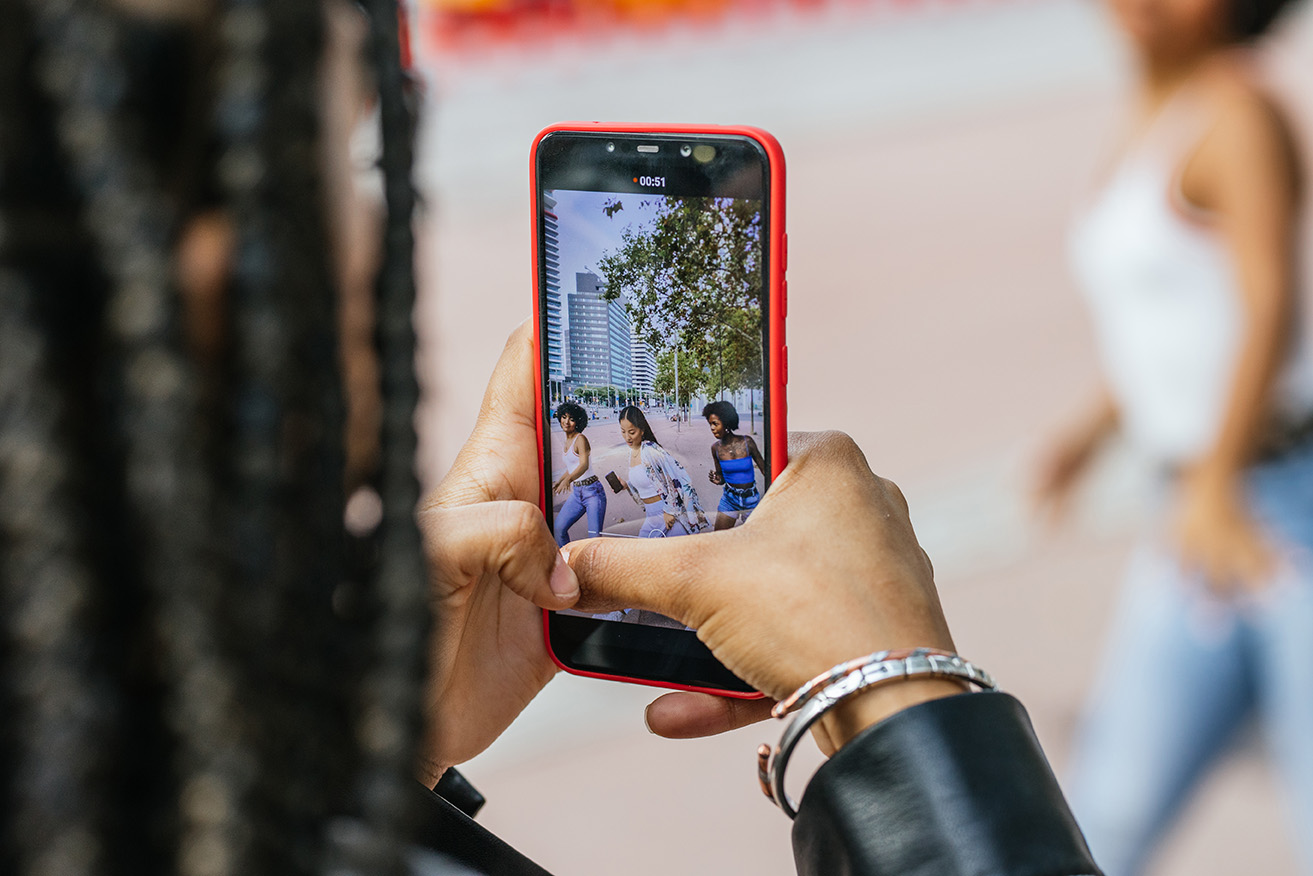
point(600, 352)
point(558, 366)
point(644, 364)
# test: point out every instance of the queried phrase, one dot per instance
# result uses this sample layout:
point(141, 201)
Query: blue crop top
point(737, 472)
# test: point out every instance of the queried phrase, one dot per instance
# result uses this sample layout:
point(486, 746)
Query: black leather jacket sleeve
point(443, 827)
point(953, 787)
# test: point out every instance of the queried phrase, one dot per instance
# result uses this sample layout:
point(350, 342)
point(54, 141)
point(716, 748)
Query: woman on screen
point(732, 458)
point(583, 489)
point(658, 482)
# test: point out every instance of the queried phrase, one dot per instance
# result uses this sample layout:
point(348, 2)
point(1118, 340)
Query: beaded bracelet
point(828, 689)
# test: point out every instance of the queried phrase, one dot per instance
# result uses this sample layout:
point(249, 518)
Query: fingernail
point(563, 582)
point(646, 722)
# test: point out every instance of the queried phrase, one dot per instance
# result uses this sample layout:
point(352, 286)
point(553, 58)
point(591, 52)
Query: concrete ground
point(934, 159)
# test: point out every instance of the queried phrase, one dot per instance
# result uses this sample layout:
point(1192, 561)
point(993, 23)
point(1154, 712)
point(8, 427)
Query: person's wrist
point(840, 703)
point(849, 718)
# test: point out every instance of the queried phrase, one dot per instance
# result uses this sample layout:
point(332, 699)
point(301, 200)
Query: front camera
point(610, 147)
point(686, 150)
point(704, 153)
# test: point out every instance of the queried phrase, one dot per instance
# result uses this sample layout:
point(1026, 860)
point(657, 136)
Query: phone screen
point(653, 320)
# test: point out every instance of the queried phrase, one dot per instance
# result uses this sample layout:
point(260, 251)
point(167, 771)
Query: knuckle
point(895, 493)
point(829, 449)
point(595, 565)
point(840, 441)
point(585, 561)
point(800, 443)
point(700, 574)
point(683, 573)
point(431, 501)
point(929, 563)
point(837, 448)
point(521, 521)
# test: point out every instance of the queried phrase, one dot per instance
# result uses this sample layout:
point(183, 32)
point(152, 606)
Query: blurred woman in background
point(1187, 256)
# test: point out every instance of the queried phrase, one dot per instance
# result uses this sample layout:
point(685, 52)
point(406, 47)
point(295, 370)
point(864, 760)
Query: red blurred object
point(464, 30)
point(403, 35)
point(470, 27)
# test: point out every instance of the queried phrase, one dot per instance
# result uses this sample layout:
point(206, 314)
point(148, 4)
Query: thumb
point(508, 540)
point(678, 577)
point(508, 402)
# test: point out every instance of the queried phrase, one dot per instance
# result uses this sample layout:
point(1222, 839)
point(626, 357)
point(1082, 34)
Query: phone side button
point(784, 365)
point(784, 298)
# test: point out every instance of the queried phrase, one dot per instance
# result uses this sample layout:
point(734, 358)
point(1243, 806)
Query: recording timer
point(654, 182)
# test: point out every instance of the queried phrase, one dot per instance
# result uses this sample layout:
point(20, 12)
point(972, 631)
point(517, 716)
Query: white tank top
point(1162, 291)
point(642, 482)
point(572, 459)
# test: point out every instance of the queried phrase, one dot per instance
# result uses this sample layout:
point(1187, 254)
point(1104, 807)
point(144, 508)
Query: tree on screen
point(692, 377)
point(691, 277)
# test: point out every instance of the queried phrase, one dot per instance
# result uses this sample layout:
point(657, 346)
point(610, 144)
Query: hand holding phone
point(830, 574)
point(484, 535)
point(614, 481)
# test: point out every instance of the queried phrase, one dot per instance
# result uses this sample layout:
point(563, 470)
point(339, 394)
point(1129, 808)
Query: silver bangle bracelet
point(840, 683)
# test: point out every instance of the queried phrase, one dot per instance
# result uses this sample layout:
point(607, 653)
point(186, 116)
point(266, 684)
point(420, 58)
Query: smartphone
point(659, 305)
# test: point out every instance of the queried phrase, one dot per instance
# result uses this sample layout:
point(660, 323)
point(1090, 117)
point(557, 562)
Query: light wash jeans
point(590, 500)
point(1184, 671)
point(654, 523)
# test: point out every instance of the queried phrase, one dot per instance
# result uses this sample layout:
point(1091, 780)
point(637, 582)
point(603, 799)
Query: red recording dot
point(635, 179)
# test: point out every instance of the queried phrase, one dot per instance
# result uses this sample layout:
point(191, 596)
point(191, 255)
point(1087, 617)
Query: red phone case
point(778, 309)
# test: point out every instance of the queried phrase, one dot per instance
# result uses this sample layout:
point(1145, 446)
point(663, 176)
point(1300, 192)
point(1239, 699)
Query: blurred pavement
point(934, 157)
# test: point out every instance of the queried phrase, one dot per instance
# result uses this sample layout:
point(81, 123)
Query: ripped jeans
point(590, 500)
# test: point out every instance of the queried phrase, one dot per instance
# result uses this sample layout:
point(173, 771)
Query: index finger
point(689, 715)
point(677, 577)
point(690, 577)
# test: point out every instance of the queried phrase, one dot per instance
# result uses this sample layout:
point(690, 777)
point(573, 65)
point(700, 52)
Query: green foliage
point(693, 275)
point(692, 376)
point(592, 393)
point(737, 351)
point(605, 394)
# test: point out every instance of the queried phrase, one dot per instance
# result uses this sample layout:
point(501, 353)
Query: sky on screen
point(586, 233)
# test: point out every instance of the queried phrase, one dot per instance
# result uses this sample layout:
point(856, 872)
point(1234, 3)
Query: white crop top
point(1167, 312)
point(572, 460)
point(642, 482)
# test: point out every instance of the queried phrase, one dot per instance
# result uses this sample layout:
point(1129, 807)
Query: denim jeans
point(1185, 670)
point(654, 523)
point(590, 500)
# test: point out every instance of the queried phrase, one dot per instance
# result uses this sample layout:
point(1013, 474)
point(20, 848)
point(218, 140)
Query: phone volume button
point(784, 298)
point(784, 365)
